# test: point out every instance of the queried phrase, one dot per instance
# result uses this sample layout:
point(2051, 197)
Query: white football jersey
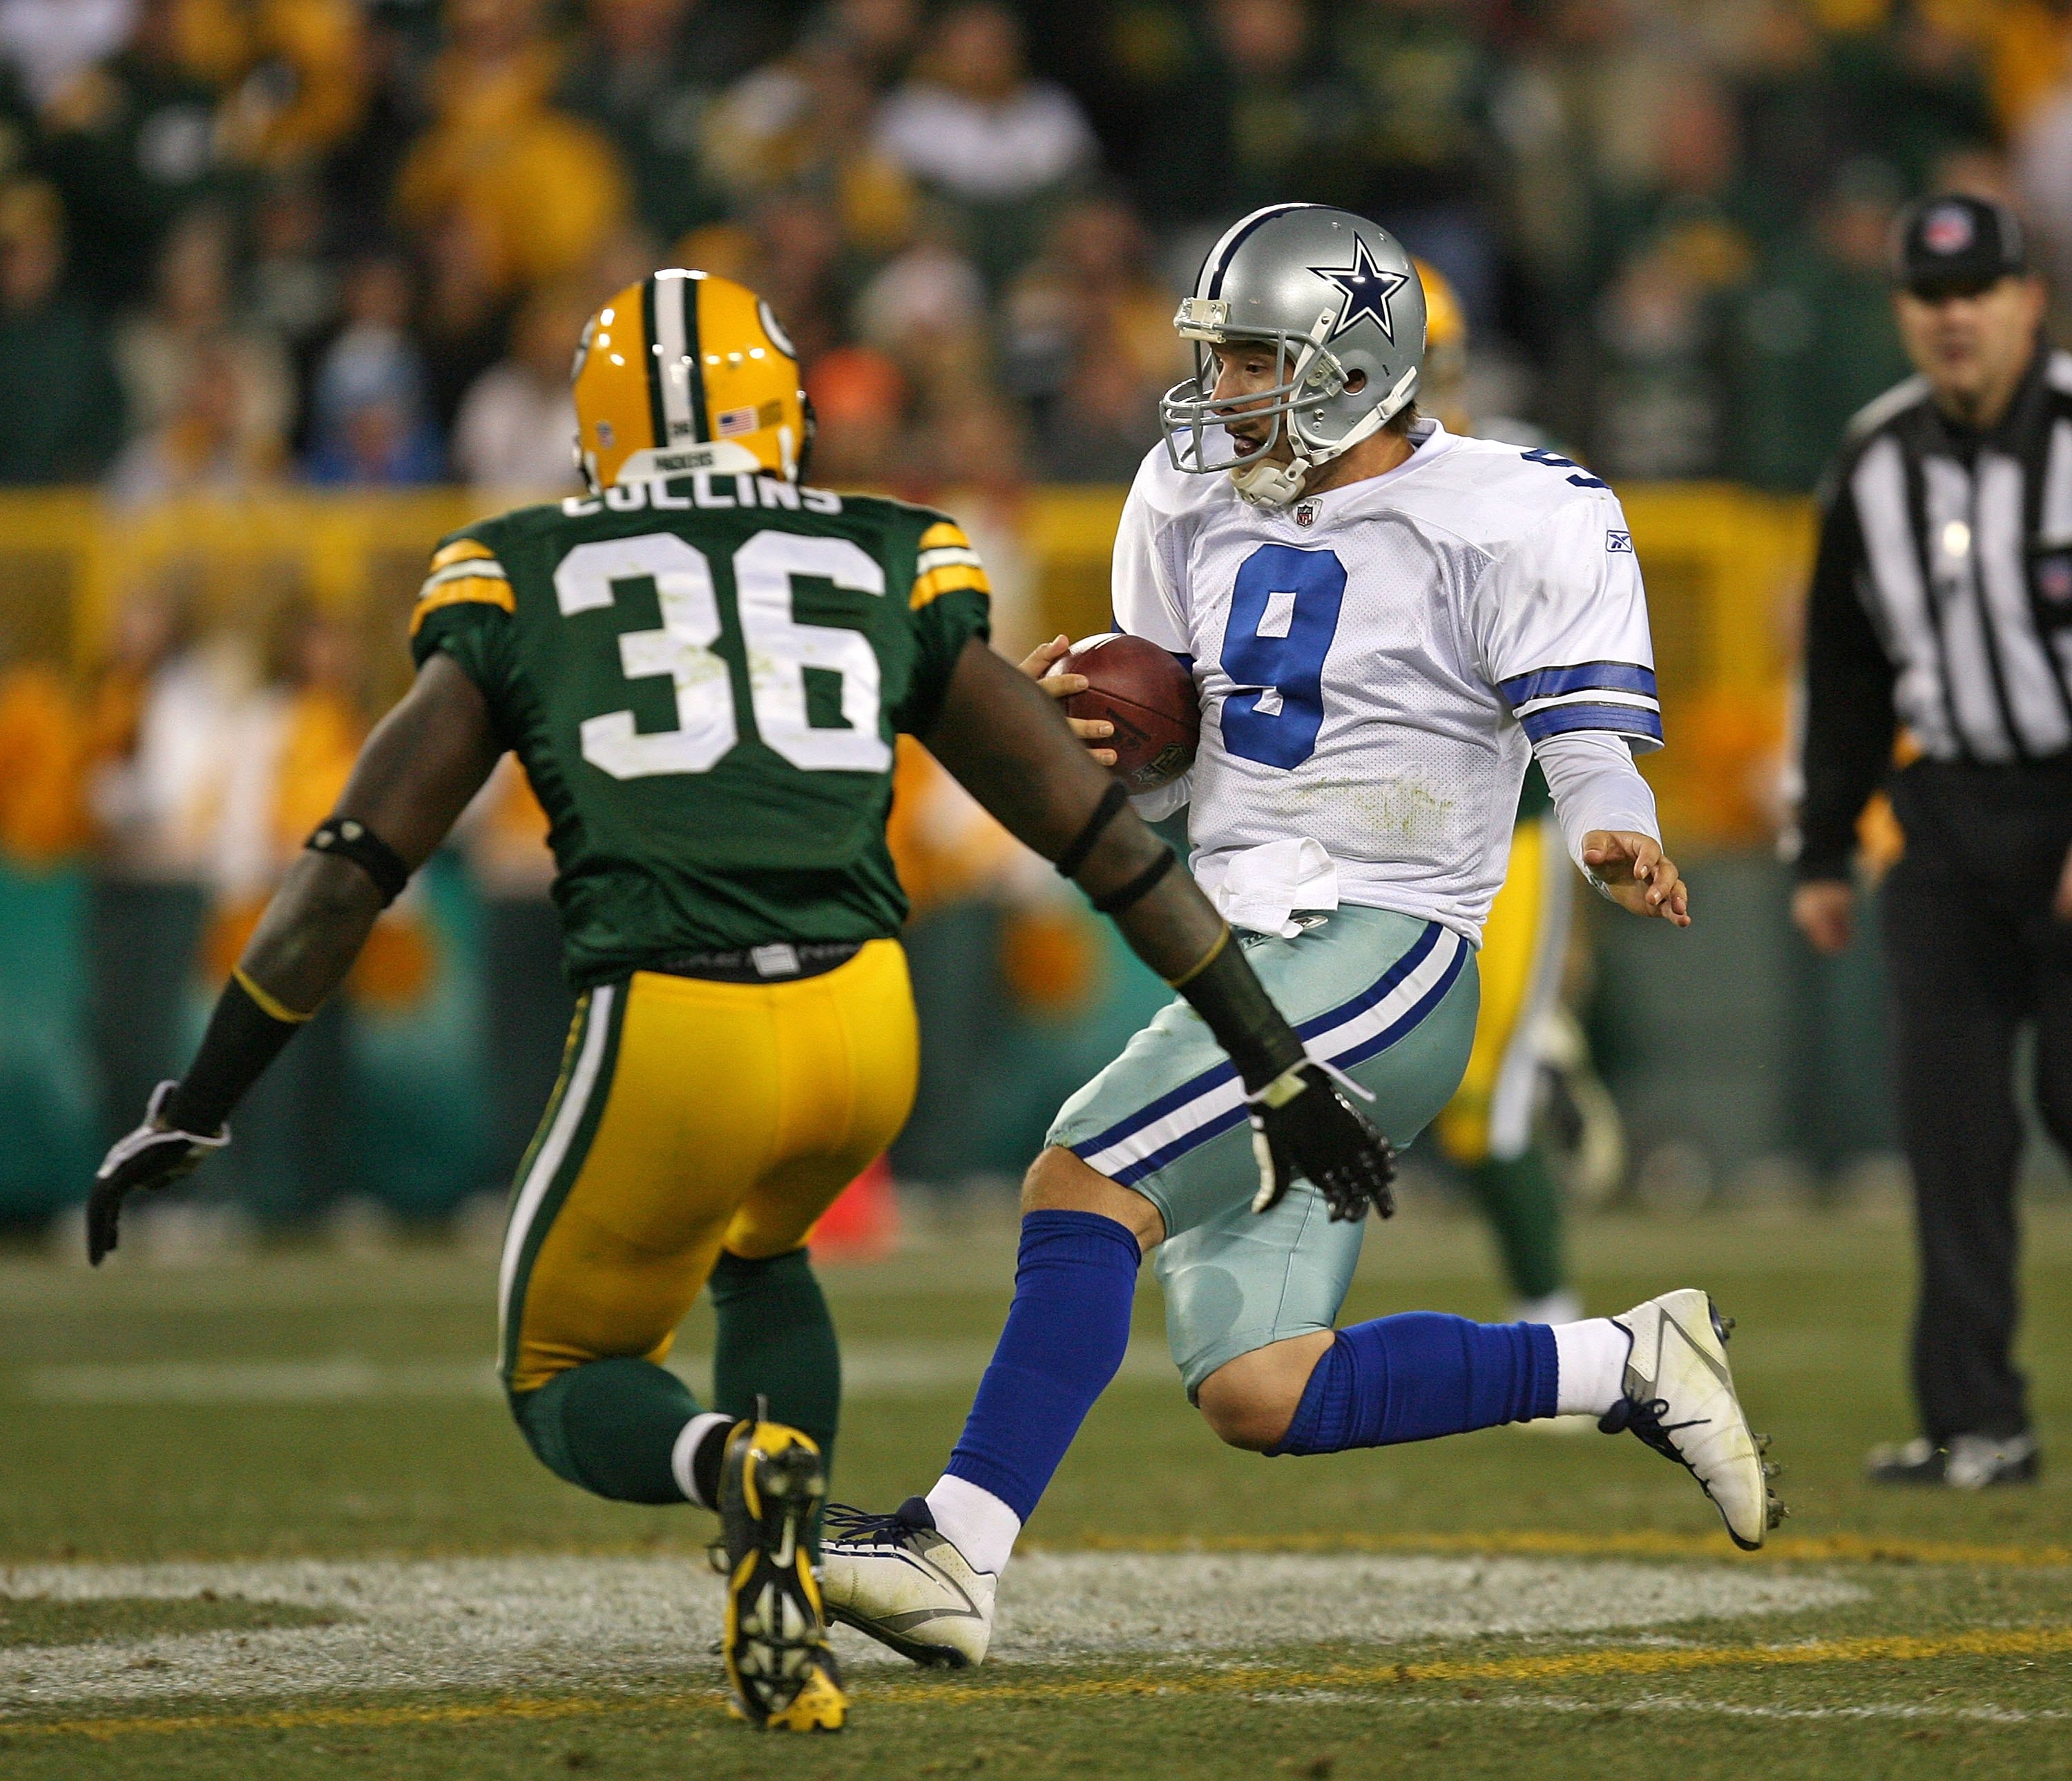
point(1375, 662)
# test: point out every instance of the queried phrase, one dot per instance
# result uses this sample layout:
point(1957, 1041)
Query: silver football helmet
point(1334, 294)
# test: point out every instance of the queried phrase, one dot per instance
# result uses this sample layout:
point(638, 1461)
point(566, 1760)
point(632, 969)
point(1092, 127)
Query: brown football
point(1149, 698)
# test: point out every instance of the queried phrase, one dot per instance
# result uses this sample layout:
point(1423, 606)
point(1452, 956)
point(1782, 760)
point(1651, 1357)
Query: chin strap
point(1275, 485)
point(1272, 484)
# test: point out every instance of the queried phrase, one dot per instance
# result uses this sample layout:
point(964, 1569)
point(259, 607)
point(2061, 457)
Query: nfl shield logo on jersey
point(1305, 513)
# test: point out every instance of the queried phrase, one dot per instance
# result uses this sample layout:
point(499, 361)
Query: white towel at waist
point(1261, 887)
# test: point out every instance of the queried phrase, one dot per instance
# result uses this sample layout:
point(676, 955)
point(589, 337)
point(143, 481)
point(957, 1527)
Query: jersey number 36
point(778, 650)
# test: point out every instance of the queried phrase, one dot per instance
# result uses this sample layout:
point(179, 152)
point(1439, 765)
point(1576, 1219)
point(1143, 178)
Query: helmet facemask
point(1312, 376)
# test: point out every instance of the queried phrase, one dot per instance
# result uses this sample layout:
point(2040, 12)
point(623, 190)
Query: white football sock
point(976, 1522)
point(1590, 1372)
point(686, 1449)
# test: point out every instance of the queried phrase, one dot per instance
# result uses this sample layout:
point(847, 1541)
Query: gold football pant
point(1486, 1128)
point(695, 1124)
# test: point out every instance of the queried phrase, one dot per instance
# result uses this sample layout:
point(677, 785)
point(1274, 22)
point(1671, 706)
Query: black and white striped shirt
point(1941, 598)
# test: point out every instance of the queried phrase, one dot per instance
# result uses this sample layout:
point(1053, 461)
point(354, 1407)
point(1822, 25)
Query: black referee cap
point(1957, 243)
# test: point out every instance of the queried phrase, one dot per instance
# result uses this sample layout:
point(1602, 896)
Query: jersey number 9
point(780, 649)
point(1283, 613)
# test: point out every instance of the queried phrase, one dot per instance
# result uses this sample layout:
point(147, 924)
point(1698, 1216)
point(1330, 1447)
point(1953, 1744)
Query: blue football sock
point(1067, 1333)
point(1409, 1378)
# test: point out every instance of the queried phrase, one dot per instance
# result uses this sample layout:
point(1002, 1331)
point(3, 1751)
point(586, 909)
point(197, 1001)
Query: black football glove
point(1304, 1124)
point(149, 1156)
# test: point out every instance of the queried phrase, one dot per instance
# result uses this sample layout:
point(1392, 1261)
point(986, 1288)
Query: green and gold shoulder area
point(466, 578)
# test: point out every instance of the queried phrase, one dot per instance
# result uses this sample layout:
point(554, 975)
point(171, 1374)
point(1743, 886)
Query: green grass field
point(271, 1519)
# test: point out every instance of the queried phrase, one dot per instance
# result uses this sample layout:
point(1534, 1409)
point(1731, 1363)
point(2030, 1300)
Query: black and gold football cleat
point(778, 1664)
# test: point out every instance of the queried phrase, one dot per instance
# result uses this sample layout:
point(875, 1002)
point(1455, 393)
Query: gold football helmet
point(1444, 389)
point(683, 371)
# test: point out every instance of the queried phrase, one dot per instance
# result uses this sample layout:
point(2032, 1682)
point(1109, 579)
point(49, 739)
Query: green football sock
point(776, 1340)
point(610, 1426)
point(1522, 1201)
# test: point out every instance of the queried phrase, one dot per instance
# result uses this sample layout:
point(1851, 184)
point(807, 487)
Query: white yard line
point(551, 1621)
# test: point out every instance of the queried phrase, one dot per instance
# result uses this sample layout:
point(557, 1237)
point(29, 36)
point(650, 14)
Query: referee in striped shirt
point(1940, 635)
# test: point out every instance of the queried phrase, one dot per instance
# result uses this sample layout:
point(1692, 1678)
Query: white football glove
point(149, 1156)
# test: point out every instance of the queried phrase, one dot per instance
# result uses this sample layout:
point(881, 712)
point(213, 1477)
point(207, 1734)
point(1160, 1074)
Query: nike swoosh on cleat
point(922, 1617)
point(1711, 1366)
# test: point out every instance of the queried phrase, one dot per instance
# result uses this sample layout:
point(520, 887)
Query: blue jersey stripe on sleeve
point(1546, 683)
point(1621, 720)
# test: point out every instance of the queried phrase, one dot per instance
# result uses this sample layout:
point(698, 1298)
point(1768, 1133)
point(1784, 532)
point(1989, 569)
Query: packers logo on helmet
point(686, 371)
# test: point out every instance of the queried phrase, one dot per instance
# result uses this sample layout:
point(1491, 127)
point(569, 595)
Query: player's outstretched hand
point(149, 1156)
point(1637, 875)
point(1303, 1124)
point(1040, 664)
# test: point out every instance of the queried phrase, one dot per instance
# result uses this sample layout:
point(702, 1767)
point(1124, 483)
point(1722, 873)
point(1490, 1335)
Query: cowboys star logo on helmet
point(1368, 289)
point(1335, 299)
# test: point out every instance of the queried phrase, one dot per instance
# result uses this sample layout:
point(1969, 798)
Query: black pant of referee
point(1976, 951)
point(1940, 623)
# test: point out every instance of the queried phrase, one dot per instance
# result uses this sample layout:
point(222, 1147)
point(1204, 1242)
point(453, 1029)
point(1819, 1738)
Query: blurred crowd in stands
point(349, 242)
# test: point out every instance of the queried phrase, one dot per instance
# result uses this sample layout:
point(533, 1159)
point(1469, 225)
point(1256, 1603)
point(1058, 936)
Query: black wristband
point(1228, 994)
point(1139, 887)
point(352, 839)
point(242, 1039)
point(1110, 807)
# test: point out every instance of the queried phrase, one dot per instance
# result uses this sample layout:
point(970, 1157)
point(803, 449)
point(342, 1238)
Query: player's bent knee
point(1255, 1426)
point(1057, 1182)
point(1250, 1401)
point(609, 1427)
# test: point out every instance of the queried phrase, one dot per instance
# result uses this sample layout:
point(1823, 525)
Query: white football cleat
point(1679, 1399)
point(894, 1577)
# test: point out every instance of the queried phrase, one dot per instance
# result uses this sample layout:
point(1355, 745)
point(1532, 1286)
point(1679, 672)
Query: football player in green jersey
point(702, 667)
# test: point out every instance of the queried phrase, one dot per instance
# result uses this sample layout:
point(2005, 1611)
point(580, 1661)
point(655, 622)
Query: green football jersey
point(703, 678)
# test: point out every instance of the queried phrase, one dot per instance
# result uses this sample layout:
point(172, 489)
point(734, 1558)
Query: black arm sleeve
point(1849, 712)
point(1226, 991)
point(242, 1039)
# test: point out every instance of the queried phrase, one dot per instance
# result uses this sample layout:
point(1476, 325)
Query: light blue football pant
point(1389, 998)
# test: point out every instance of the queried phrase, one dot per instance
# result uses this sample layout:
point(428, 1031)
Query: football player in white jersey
point(1384, 623)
